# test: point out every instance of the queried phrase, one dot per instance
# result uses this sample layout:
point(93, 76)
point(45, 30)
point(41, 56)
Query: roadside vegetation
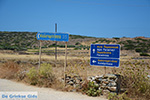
point(42, 77)
point(134, 81)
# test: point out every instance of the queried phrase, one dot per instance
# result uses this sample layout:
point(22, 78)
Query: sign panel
point(105, 55)
point(46, 36)
point(105, 50)
point(61, 37)
point(104, 62)
point(53, 36)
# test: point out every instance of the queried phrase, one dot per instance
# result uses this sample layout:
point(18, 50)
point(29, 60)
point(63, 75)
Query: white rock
point(113, 89)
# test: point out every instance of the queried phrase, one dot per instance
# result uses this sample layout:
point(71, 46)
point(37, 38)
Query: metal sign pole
point(65, 63)
point(105, 69)
point(55, 43)
point(40, 55)
point(114, 69)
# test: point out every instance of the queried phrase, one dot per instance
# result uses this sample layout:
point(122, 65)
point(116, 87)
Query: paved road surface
point(43, 93)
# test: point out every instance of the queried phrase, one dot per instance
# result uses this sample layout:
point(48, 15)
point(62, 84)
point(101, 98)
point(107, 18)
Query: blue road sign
point(104, 62)
point(53, 36)
point(105, 50)
point(105, 54)
point(61, 37)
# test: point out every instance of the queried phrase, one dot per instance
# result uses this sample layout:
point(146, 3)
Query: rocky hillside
point(27, 40)
point(21, 41)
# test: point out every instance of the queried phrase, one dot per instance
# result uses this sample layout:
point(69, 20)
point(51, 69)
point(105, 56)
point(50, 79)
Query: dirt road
point(43, 93)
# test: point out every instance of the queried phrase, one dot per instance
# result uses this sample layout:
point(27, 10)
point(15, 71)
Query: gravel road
point(43, 93)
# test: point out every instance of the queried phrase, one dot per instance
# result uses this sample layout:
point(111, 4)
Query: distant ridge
point(22, 41)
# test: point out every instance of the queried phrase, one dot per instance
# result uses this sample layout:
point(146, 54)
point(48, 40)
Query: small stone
point(96, 85)
point(106, 87)
point(103, 84)
point(102, 87)
point(112, 89)
point(98, 80)
point(112, 84)
point(93, 78)
point(111, 76)
point(68, 77)
point(71, 83)
point(106, 92)
point(105, 77)
point(116, 80)
point(77, 80)
point(99, 76)
point(73, 90)
point(105, 81)
point(67, 81)
point(89, 79)
point(123, 89)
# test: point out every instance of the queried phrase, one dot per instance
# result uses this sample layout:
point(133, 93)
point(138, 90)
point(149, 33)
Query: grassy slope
point(20, 41)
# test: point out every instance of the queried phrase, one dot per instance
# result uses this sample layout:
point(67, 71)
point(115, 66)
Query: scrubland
point(19, 60)
point(24, 68)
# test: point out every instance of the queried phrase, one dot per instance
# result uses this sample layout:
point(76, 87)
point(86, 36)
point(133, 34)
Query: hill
point(22, 41)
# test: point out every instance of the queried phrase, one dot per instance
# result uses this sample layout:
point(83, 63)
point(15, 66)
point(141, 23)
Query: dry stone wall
point(106, 83)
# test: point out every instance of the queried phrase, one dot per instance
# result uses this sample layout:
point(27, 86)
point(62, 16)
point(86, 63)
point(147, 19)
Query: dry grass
point(79, 66)
point(52, 48)
point(33, 57)
point(8, 70)
point(134, 78)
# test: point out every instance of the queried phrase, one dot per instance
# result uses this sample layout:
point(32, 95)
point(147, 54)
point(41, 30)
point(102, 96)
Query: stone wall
point(106, 83)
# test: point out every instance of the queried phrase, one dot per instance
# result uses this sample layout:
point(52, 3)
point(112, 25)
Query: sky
point(97, 18)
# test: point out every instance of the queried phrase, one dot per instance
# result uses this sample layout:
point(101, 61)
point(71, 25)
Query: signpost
point(104, 62)
point(105, 50)
point(105, 55)
point(54, 37)
point(55, 43)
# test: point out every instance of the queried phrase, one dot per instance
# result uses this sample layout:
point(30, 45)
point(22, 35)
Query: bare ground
point(44, 93)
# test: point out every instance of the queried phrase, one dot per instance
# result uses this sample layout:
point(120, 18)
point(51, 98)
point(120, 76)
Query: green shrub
point(114, 96)
point(92, 89)
point(78, 36)
point(32, 76)
point(117, 38)
point(45, 69)
point(77, 43)
point(76, 48)
point(129, 41)
point(41, 77)
point(129, 46)
point(138, 50)
point(46, 77)
point(70, 46)
point(144, 54)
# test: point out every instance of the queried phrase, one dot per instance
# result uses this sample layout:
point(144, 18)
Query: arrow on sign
point(93, 61)
point(38, 36)
point(93, 50)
